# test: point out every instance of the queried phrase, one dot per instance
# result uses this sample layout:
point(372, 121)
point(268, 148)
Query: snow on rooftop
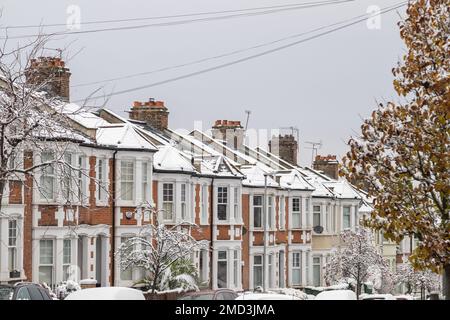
point(83, 116)
point(342, 189)
point(122, 136)
point(293, 180)
point(169, 158)
point(254, 176)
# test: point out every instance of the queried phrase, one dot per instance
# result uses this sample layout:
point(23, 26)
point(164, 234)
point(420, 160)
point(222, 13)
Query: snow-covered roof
point(342, 189)
point(170, 159)
point(122, 136)
point(292, 179)
point(254, 177)
point(219, 166)
point(83, 116)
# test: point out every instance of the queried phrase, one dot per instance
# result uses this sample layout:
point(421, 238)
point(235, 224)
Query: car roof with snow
point(107, 293)
point(266, 296)
point(336, 295)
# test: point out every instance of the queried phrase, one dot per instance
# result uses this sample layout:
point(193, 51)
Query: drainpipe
point(113, 225)
point(211, 232)
point(265, 235)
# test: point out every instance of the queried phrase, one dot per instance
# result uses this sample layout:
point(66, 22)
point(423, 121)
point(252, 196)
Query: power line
point(167, 16)
point(223, 55)
point(221, 66)
point(182, 22)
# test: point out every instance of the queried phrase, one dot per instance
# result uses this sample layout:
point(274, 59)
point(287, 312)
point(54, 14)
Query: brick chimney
point(231, 132)
point(328, 165)
point(285, 147)
point(51, 74)
point(154, 113)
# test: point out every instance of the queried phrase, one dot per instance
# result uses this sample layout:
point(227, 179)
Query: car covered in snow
point(386, 296)
point(106, 293)
point(219, 294)
point(266, 296)
point(336, 295)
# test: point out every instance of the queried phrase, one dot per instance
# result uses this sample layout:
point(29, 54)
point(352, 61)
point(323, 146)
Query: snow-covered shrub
point(65, 288)
point(157, 250)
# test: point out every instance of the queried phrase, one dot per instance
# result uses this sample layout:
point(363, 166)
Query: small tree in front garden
point(158, 249)
point(417, 280)
point(357, 260)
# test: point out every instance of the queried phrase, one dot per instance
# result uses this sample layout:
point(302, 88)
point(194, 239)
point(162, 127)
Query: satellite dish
point(318, 229)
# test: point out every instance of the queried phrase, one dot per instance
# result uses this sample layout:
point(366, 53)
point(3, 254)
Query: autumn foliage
point(402, 156)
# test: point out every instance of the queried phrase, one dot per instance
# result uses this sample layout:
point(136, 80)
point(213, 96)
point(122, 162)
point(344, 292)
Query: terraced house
point(212, 179)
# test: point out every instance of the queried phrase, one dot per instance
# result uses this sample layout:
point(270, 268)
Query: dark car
point(24, 291)
point(219, 294)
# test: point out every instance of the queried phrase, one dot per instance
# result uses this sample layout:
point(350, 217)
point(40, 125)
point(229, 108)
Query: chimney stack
point(328, 165)
point(154, 113)
point(231, 132)
point(50, 74)
point(285, 147)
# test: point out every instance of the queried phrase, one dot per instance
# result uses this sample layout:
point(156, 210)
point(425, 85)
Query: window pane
point(296, 220)
point(222, 255)
point(127, 273)
point(67, 258)
point(168, 211)
point(46, 274)
point(346, 217)
point(257, 217)
point(222, 273)
point(296, 276)
point(46, 251)
point(222, 212)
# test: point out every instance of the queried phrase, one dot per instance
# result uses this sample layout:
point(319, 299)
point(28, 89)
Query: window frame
point(222, 261)
point(125, 180)
point(12, 244)
point(261, 214)
point(168, 215)
point(282, 213)
point(47, 172)
point(222, 201)
point(44, 264)
point(66, 264)
point(102, 179)
point(296, 212)
point(258, 266)
point(317, 214)
point(296, 265)
point(344, 217)
point(183, 201)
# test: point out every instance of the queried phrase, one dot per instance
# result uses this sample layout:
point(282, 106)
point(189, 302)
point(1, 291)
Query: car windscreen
point(198, 297)
point(6, 293)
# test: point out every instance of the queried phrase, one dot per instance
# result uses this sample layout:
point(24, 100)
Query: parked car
point(219, 294)
point(24, 291)
point(266, 296)
point(404, 297)
point(106, 293)
point(336, 295)
point(386, 296)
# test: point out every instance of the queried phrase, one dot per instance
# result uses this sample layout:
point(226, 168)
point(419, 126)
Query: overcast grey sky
point(322, 86)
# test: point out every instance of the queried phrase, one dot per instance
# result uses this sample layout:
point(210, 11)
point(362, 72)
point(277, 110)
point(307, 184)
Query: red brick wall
point(223, 233)
point(15, 192)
